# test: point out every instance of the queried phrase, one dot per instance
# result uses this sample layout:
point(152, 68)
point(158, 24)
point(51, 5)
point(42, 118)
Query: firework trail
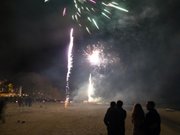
point(91, 92)
point(90, 89)
point(69, 66)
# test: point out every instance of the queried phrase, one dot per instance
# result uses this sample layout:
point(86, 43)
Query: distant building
point(8, 94)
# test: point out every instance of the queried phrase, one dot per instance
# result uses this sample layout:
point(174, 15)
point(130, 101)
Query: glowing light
point(95, 55)
point(94, 58)
point(92, 10)
point(69, 66)
point(95, 10)
point(95, 23)
point(90, 90)
point(64, 11)
point(88, 30)
point(106, 15)
point(117, 7)
point(66, 101)
point(93, 1)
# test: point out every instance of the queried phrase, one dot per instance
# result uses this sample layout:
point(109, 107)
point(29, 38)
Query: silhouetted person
point(20, 101)
point(138, 119)
point(2, 110)
point(121, 118)
point(28, 101)
point(110, 119)
point(152, 120)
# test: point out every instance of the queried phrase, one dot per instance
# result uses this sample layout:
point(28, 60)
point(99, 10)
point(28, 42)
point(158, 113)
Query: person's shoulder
point(154, 111)
point(148, 113)
point(124, 110)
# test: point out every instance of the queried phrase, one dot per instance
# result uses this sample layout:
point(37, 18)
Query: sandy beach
point(77, 119)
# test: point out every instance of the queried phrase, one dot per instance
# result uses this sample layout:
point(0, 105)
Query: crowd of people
point(24, 101)
point(143, 124)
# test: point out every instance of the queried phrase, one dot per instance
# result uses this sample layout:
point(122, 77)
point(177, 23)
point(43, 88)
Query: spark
point(107, 11)
point(95, 23)
point(105, 15)
point(64, 11)
point(89, 19)
point(93, 1)
point(88, 30)
point(82, 11)
point(69, 66)
point(115, 5)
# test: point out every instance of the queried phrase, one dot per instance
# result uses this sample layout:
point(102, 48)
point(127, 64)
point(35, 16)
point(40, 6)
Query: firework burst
point(95, 55)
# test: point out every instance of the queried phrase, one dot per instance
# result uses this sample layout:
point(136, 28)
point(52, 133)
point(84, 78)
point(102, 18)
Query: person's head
point(150, 105)
point(137, 108)
point(112, 104)
point(119, 103)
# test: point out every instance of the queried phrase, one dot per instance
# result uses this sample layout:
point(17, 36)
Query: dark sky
point(34, 38)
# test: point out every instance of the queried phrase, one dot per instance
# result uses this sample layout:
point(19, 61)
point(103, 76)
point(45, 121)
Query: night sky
point(34, 38)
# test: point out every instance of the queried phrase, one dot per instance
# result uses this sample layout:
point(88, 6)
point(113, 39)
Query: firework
point(95, 55)
point(64, 11)
point(88, 13)
point(69, 66)
point(94, 58)
point(90, 90)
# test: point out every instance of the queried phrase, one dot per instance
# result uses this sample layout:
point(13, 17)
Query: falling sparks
point(89, 13)
point(93, 1)
point(117, 7)
point(69, 66)
point(95, 24)
point(91, 10)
